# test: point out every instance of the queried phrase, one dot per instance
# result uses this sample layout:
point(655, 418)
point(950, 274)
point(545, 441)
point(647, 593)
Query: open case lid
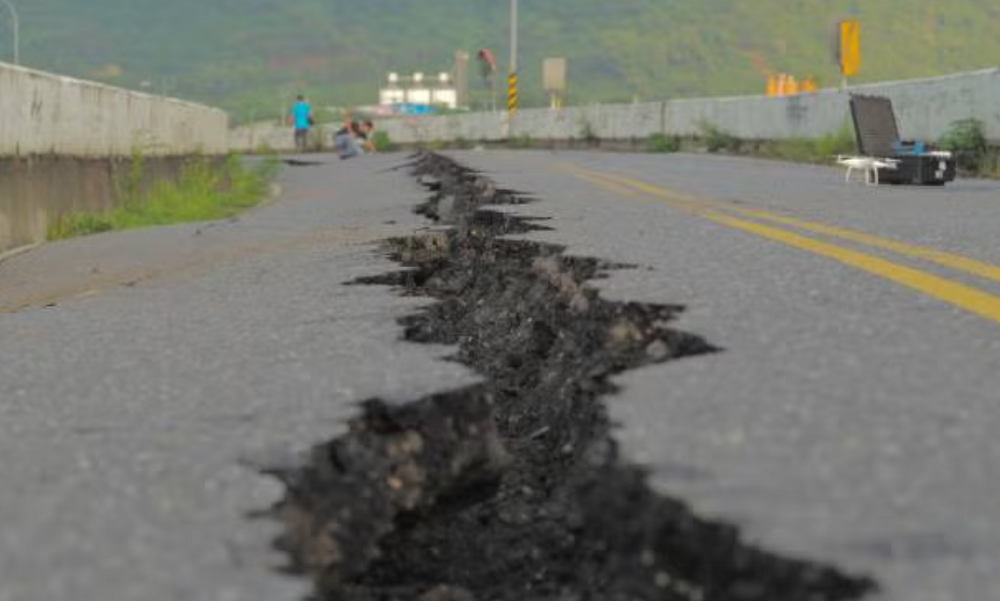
point(874, 125)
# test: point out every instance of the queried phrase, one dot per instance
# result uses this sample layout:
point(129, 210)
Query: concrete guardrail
point(46, 114)
point(925, 109)
point(65, 144)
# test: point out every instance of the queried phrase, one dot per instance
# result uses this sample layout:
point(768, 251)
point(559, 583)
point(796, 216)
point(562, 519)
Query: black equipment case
point(877, 136)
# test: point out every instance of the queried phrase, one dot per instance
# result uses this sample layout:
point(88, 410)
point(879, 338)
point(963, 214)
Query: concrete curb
point(9, 254)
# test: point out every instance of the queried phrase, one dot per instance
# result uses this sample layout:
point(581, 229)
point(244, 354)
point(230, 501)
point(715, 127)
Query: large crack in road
point(514, 489)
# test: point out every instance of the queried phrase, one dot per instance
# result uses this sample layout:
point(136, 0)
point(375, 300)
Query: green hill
point(250, 56)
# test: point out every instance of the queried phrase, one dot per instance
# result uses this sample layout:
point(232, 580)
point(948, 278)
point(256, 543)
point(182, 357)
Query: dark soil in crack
point(514, 489)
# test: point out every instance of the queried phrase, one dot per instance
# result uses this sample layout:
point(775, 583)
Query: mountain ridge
point(251, 56)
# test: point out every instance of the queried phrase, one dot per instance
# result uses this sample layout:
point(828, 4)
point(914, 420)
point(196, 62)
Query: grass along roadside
point(205, 189)
point(965, 138)
point(811, 150)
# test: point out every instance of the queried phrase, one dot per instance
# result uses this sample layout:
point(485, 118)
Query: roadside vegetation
point(588, 134)
point(382, 142)
point(662, 143)
point(522, 142)
point(717, 139)
point(812, 150)
point(967, 140)
point(205, 189)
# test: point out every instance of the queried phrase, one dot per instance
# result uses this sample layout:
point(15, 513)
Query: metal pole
point(512, 74)
point(513, 36)
point(15, 23)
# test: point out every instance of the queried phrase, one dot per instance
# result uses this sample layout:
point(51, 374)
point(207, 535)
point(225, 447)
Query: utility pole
point(512, 74)
point(15, 26)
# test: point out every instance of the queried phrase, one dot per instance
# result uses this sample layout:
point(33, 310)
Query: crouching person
point(347, 141)
point(367, 137)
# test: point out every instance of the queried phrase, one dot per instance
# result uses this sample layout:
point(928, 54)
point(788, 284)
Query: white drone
point(870, 166)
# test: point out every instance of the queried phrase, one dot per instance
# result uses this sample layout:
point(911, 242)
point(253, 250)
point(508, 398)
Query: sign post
point(554, 80)
point(15, 28)
point(848, 49)
point(512, 74)
point(488, 64)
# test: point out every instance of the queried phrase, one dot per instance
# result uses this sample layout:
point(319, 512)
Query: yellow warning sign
point(512, 93)
point(850, 47)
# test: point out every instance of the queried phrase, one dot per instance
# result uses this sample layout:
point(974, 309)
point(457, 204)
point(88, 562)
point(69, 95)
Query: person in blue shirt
point(301, 120)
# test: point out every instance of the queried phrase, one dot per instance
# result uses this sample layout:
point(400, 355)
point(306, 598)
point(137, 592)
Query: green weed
point(381, 141)
point(265, 149)
point(204, 190)
point(662, 143)
point(523, 141)
point(966, 139)
point(717, 139)
point(588, 134)
point(812, 150)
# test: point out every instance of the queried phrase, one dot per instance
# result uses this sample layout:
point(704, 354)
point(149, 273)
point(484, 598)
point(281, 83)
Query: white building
point(417, 89)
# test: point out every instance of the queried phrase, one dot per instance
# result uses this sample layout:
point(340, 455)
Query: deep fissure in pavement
point(514, 489)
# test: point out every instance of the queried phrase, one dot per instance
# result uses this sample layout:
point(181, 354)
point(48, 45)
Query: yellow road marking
point(962, 296)
point(959, 295)
point(618, 188)
point(958, 262)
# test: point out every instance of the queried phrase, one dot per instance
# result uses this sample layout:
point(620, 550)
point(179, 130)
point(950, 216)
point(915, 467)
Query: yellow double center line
point(960, 295)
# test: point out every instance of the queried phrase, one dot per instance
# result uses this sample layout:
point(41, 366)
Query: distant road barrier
point(925, 108)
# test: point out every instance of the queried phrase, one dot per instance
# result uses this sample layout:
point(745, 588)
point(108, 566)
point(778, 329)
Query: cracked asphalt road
point(140, 371)
point(849, 419)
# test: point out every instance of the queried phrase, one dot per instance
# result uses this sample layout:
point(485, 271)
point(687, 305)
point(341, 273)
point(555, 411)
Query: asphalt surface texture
point(145, 374)
point(848, 419)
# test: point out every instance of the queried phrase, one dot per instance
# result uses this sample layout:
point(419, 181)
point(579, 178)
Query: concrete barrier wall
point(613, 122)
point(925, 109)
point(601, 121)
point(760, 117)
point(65, 146)
point(35, 191)
point(46, 114)
point(258, 136)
